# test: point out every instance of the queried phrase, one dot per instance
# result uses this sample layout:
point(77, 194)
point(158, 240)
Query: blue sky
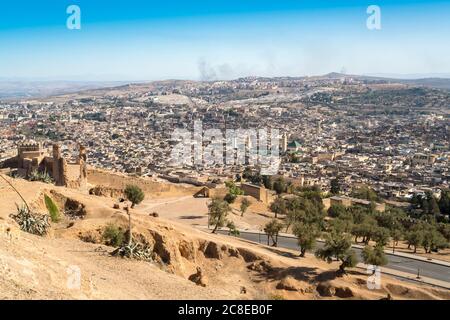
point(149, 40)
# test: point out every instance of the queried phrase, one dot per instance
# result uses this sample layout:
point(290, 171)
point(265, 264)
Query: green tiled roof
point(294, 144)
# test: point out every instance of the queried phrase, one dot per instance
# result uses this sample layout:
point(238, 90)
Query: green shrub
point(113, 235)
point(52, 209)
point(134, 194)
point(230, 198)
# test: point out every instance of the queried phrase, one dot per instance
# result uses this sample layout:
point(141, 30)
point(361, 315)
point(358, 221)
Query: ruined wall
point(259, 193)
point(151, 187)
point(58, 165)
point(71, 175)
point(10, 163)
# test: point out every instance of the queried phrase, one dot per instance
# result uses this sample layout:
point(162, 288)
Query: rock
point(187, 250)
point(289, 284)
point(199, 278)
point(212, 251)
point(116, 206)
point(161, 247)
point(260, 266)
point(326, 290)
point(344, 292)
point(233, 252)
point(248, 255)
point(154, 214)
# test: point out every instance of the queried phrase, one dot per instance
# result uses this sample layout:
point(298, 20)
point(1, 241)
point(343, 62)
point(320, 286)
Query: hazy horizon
point(118, 79)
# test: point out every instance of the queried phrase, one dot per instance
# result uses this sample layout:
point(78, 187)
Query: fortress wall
point(73, 172)
point(150, 187)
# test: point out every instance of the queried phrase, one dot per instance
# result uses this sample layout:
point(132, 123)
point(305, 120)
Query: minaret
point(284, 142)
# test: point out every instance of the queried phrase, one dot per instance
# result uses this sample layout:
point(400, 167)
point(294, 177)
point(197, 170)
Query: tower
point(284, 142)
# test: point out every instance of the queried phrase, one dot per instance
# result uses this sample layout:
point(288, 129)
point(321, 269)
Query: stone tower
point(82, 161)
point(58, 166)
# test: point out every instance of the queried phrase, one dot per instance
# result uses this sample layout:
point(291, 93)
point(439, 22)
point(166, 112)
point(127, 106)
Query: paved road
point(427, 269)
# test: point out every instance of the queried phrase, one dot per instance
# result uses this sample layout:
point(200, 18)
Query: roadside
point(258, 237)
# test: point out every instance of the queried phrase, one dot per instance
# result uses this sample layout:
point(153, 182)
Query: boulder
point(199, 278)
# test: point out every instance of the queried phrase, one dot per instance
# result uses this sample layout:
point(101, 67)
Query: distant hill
point(438, 83)
point(17, 89)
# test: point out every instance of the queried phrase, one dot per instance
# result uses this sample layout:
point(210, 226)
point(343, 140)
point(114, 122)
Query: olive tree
point(338, 246)
point(217, 212)
point(244, 206)
point(374, 255)
point(306, 236)
point(272, 229)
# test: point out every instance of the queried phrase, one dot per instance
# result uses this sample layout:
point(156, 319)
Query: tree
point(217, 213)
point(267, 182)
point(338, 246)
point(301, 209)
point(390, 218)
point(306, 236)
point(414, 238)
point(232, 230)
point(230, 198)
point(397, 235)
point(233, 192)
point(278, 207)
point(433, 240)
point(272, 229)
point(433, 206)
point(244, 206)
point(336, 210)
point(381, 236)
point(444, 229)
point(335, 186)
point(444, 202)
point(359, 213)
point(233, 189)
point(344, 223)
point(134, 194)
point(365, 193)
point(365, 229)
point(374, 256)
point(279, 186)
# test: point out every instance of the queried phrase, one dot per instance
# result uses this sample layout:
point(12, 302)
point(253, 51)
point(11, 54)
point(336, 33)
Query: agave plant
point(134, 250)
point(30, 222)
point(41, 176)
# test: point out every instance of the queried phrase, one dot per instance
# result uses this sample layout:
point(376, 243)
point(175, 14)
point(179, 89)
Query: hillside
point(33, 267)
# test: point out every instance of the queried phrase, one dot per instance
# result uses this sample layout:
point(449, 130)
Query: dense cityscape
point(362, 131)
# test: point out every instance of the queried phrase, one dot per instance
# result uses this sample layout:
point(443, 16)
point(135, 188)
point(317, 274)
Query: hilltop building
point(32, 157)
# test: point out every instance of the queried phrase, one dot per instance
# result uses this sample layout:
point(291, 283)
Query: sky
point(136, 40)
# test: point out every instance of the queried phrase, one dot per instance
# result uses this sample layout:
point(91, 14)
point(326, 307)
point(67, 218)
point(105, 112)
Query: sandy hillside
point(186, 263)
